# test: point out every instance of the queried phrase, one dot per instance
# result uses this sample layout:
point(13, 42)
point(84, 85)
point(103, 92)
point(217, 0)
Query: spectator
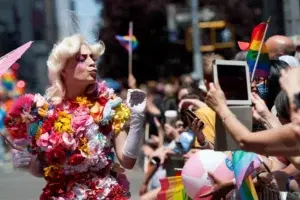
point(279, 45)
point(280, 141)
point(273, 88)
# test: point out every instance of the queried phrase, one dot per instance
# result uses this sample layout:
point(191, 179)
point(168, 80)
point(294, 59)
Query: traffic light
point(215, 35)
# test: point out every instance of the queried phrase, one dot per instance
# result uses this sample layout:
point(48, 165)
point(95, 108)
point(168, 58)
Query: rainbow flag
point(172, 189)
point(263, 64)
point(244, 163)
point(124, 41)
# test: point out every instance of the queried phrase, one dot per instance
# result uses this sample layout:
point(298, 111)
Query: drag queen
point(70, 135)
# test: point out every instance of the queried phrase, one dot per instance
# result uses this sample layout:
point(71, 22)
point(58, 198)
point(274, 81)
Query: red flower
point(52, 189)
point(46, 195)
point(76, 159)
point(117, 193)
point(103, 100)
point(48, 124)
point(56, 156)
point(59, 176)
point(70, 195)
point(18, 132)
point(8, 121)
point(94, 193)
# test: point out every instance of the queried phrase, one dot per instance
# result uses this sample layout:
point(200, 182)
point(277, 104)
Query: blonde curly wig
point(60, 54)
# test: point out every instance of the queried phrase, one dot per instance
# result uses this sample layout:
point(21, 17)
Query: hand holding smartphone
point(190, 117)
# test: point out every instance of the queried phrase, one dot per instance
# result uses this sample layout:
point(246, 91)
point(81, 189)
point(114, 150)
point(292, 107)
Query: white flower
point(98, 162)
point(91, 131)
point(82, 167)
point(27, 117)
point(60, 198)
point(110, 92)
point(39, 100)
point(80, 191)
point(106, 183)
point(68, 141)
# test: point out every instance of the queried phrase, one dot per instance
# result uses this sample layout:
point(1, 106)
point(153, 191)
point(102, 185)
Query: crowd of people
point(172, 137)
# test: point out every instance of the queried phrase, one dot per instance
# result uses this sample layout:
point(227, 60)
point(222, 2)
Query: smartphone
point(191, 117)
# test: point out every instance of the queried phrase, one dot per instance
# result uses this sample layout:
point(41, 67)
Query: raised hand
point(220, 188)
point(136, 100)
point(260, 110)
point(131, 81)
point(194, 102)
point(215, 98)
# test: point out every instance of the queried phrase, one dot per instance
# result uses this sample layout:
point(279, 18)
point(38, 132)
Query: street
point(18, 185)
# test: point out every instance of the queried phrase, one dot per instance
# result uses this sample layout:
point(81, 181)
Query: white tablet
point(233, 77)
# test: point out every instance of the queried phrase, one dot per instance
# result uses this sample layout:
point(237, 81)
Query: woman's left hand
point(215, 98)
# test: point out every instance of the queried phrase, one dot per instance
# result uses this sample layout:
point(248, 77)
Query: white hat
point(290, 60)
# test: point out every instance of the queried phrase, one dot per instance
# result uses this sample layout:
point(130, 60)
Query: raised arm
point(127, 146)
point(280, 141)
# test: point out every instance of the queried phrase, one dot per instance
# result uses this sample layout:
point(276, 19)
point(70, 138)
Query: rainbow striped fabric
point(262, 69)
point(124, 41)
point(244, 163)
point(172, 189)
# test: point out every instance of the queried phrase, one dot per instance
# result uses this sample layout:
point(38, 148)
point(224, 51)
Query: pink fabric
point(193, 168)
point(223, 172)
point(191, 185)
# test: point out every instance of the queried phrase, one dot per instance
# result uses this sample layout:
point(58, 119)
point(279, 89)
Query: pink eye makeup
point(81, 57)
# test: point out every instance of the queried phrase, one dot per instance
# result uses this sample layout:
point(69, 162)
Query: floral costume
point(74, 143)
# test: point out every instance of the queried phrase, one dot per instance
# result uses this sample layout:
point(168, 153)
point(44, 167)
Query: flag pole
point(130, 48)
point(260, 48)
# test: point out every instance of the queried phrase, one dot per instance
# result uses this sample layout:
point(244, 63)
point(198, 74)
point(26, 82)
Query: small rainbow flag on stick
point(130, 43)
point(124, 41)
point(244, 163)
point(172, 189)
point(257, 57)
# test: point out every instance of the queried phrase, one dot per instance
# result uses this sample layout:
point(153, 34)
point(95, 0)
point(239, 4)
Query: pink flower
point(43, 142)
point(80, 118)
point(54, 139)
point(102, 87)
point(23, 103)
point(48, 142)
point(68, 141)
